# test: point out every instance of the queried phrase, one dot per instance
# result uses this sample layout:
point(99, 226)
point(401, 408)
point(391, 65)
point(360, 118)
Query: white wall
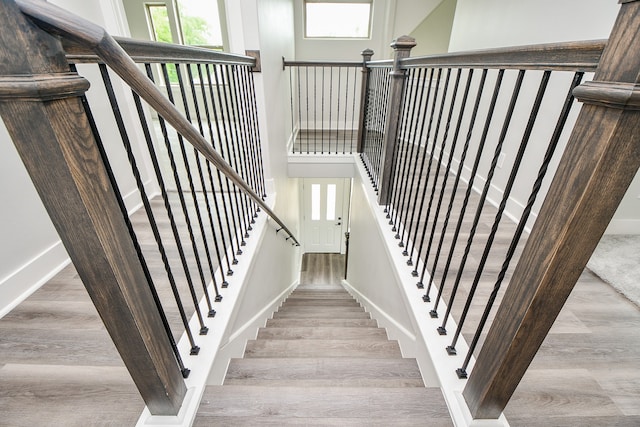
point(274, 272)
point(499, 23)
point(372, 278)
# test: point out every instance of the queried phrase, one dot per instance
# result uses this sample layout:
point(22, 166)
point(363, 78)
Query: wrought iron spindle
point(478, 156)
point(483, 197)
point(436, 174)
point(194, 195)
point(218, 215)
point(145, 200)
point(183, 204)
point(551, 148)
point(447, 172)
point(403, 160)
point(228, 210)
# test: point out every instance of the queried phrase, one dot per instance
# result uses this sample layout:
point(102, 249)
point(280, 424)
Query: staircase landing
point(322, 360)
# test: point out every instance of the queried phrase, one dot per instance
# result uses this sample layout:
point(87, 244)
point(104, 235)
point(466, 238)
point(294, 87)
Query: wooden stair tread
point(328, 310)
point(322, 348)
point(347, 323)
point(326, 402)
point(207, 421)
point(312, 314)
point(321, 332)
point(322, 302)
point(277, 369)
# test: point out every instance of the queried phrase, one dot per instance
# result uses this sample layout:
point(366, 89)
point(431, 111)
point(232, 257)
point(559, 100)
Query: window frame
point(304, 19)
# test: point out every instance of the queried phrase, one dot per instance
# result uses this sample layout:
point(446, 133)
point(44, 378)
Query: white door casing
point(325, 203)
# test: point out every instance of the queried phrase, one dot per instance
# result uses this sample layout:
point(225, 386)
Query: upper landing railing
point(187, 149)
point(445, 140)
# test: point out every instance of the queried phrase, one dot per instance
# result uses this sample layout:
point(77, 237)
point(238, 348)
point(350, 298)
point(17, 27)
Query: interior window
point(193, 23)
point(343, 19)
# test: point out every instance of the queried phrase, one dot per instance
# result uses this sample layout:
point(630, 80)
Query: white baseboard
point(31, 276)
point(623, 226)
point(20, 284)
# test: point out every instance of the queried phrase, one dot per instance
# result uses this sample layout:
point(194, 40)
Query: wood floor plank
point(57, 395)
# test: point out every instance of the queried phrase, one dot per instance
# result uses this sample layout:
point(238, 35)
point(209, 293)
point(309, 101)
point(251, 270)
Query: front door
point(325, 216)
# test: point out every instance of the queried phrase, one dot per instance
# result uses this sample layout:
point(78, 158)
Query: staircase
point(321, 360)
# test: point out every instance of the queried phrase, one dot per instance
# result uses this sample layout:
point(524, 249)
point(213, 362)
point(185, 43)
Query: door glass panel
point(331, 202)
point(315, 202)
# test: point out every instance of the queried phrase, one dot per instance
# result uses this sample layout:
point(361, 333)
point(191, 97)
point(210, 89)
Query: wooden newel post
point(40, 105)
point(601, 159)
point(402, 47)
point(364, 98)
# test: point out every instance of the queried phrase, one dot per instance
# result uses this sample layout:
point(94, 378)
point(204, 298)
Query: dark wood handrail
point(570, 56)
point(85, 33)
point(156, 52)
point(354, 64)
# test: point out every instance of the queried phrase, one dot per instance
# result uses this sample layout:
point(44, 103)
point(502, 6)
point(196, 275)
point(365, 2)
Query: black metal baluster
point(564, 114)
point(330, 105)
point(218, 215)
point(399, 193)
point(315, 107)
point(250, 150)
point(426, 178)
point(306, 69)
point(194, 196)
point(230, 104)
point(414, 137)
point(299, 136)
point(322, 114)
point(340, 70)
point(228, 211)
point(241, 145)
point(438, 166)
point(443, 187)
point(256, 130)
point(197, 156)
point(123, 208)
point(183, 204)
point(353, 109)
point(507, 190)
point(346, 100)
point(472, 177)
point(293, 134)
point(420, 125)
point(249, 147)
point(485, 191)
point(167, 204)
point(438, 162)
point(225, 117)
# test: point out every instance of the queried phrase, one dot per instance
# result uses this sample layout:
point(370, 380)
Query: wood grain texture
point(311, 371)
point(325, 402)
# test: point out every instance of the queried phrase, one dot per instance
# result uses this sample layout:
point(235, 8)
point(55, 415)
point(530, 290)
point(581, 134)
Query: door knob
point(339, 223)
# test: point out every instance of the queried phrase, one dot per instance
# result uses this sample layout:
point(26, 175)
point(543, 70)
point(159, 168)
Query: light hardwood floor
point(59, 367)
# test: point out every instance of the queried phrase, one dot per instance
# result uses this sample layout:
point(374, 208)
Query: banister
point(286, 63)
point(568, 56)
point(153, 52)
point(94, 37)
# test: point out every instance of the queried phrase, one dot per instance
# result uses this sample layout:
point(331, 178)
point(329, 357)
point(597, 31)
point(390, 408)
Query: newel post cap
point(403, 43)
